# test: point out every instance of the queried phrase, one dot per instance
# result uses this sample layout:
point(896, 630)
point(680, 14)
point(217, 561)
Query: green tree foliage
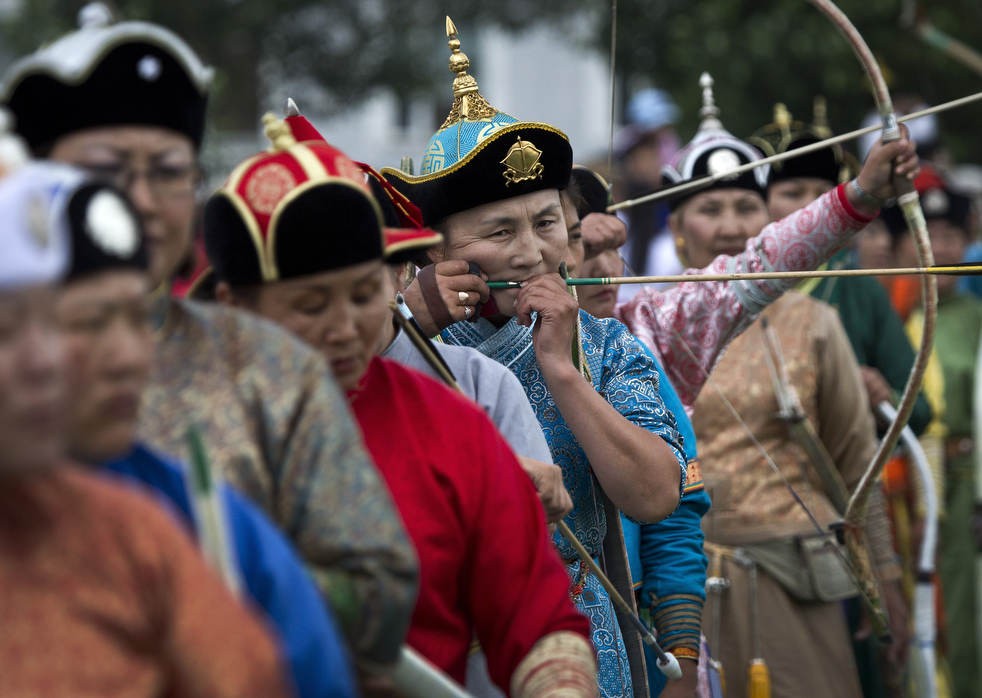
point(770, 51)
point(759, 52)
point(341, 49)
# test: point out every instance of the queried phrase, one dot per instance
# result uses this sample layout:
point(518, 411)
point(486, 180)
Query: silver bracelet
point(865, 196)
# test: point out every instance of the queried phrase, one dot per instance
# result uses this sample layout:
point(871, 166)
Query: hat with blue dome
point(481, 155)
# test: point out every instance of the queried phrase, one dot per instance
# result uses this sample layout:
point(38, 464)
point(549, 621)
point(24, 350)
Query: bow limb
point(909, 202)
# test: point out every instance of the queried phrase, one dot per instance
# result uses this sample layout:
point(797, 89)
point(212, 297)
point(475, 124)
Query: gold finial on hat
point(709, 111)
point(278, 133)
point(468, 103)
point(820, 117)
point(782, 119)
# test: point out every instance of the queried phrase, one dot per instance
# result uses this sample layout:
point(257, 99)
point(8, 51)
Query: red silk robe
point(487, 565)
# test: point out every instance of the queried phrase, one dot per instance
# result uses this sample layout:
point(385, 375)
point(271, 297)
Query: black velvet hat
point(714, 151)
point(783, 134)
point(108, 74)
point(295, 210)
point(106, 232)
point(594, 191)
point(481, 155)
point(938, 202)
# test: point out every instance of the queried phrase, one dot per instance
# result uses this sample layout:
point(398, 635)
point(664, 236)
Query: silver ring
point(468, 311)
point(463, 297)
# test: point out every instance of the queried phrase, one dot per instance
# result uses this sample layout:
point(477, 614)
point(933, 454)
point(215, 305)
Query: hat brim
point(593, 188)
point(482, 177)
point(405, 244)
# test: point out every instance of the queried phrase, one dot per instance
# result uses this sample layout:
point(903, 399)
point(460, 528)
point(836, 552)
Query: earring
point(680, 250)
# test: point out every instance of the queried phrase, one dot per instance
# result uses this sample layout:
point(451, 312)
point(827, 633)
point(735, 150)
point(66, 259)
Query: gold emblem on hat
point(522, 163)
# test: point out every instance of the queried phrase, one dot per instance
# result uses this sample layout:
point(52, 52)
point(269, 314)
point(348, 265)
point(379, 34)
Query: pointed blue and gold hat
point(481, 155)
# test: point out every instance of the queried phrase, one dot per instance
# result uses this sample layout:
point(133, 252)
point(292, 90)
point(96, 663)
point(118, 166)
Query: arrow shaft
point(702, 182)
point(958, 270)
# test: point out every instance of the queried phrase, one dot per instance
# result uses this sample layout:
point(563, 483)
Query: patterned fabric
point(277, 425)
point(668, 564)
point(103, 595)
point(613, 669)
point(623, 373)
point(688, 326)
point(750, 502)
point(561, 665)
point(450, 144)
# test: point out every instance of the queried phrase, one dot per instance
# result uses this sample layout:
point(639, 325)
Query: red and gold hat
point(300, 208)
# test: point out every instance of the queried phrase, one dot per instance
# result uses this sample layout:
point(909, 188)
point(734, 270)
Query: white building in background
point(540, 75)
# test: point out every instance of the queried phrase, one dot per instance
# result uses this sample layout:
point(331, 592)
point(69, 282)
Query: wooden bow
point(909, 202)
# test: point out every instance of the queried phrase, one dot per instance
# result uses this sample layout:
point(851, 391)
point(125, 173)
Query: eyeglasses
point(163, 181)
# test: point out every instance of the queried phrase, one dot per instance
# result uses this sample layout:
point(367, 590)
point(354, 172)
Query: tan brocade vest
point(750, 502)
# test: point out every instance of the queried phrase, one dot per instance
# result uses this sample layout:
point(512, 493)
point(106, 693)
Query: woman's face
point(874, 246)
point(108, 338)
point(575, 250)
point(948, 243)
point(341, 313)
point(157, 169)
point(718, 222)
point(599, 301)
point(32, 395)
point(787, 196)
point(511, 240)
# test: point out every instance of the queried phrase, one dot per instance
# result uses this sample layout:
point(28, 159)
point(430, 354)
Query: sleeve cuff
point(849, 208)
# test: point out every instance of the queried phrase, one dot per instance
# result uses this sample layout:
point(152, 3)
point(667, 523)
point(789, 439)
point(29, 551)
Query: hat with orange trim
point(300, 208)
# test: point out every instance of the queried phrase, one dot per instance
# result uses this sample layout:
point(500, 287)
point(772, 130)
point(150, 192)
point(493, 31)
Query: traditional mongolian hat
point(106, 232)
point(107, 73)
point(300, 208)
point(712, 151)
point(783, 134)
point(648, 113)
point(481, 155)
point(939, 201)
point(59, 223)
point(594, 191)
point(35, 231)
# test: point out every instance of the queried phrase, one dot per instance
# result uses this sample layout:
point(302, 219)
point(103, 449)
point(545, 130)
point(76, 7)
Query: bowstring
point(731, 408)
point(613, 79)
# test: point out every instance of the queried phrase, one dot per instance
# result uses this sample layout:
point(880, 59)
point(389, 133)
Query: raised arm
point(688, 326)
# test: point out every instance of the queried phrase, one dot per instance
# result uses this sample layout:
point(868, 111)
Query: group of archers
point(388, 487)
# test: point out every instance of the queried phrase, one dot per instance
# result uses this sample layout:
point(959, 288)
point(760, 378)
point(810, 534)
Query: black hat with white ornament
point(107, 74)
point(714, 151)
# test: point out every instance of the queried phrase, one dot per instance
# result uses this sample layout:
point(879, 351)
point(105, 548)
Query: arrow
point(965, 269)
point(702, 182)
